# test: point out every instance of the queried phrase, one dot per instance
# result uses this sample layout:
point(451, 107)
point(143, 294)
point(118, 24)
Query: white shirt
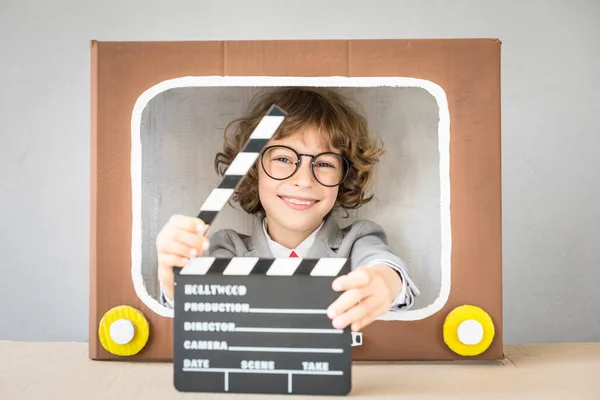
point(280, 251)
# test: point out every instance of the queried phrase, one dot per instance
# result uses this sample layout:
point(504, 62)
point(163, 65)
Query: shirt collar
point(280, 251)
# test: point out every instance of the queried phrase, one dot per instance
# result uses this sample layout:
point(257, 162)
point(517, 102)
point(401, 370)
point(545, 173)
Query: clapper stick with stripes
point(241, 164)
point(258, 325)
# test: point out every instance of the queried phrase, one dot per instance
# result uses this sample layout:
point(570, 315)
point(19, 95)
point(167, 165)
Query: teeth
point(298, 201)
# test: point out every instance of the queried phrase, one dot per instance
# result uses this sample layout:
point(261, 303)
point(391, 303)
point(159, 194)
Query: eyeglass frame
point(349, 164)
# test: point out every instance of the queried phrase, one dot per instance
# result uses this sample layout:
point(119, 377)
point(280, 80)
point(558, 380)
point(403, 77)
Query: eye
point(328, 161)
point(324, 164)
point(282, 159)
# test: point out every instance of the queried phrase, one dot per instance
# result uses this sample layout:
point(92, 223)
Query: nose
point(303, 176)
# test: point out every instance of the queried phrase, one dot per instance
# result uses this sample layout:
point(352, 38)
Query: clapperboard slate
point(250, 325)
point(253, 325)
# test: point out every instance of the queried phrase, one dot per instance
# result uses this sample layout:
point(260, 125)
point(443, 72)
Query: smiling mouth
point(299, 201)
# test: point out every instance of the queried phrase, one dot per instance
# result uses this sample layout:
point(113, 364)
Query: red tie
point(293, 254)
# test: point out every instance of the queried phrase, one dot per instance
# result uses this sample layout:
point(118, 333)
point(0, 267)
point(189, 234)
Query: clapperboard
point(255, 325)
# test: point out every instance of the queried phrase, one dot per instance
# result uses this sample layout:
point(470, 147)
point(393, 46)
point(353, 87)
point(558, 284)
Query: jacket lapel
point(257, 243)
point(327, 241)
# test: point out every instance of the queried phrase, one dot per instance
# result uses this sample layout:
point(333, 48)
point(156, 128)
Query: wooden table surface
point(547, 371)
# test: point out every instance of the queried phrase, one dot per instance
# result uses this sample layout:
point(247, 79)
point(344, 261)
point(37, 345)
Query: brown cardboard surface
point(545, 371)
point(467, 69)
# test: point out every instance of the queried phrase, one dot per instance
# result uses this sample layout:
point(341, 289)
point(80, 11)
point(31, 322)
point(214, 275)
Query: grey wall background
point(551, 140)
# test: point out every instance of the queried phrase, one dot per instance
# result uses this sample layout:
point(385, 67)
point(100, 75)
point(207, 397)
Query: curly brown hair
point(343, 129)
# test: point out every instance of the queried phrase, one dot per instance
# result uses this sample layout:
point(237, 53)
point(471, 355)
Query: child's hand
point(368, 294)
point(180, 239)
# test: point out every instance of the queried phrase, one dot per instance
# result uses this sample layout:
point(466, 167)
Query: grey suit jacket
point(363, 242)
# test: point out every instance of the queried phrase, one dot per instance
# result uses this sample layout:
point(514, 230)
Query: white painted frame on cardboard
point(267, 81)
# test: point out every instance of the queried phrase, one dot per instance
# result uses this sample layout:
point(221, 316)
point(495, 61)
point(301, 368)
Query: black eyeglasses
point(281, 162)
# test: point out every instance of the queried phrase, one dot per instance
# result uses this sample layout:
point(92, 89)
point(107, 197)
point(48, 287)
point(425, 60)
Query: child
point(320, 158)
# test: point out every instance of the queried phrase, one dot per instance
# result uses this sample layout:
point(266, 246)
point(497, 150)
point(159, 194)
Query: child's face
point(298, 203)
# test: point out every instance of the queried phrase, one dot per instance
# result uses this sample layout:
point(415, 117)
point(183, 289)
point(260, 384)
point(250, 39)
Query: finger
point(378, 311)
point(167, 261)
point(191, 240)
point(177, 249)
point(347, 300)
point(358, 325)
point(190, 224)
point(356, 278)
point(356, 313)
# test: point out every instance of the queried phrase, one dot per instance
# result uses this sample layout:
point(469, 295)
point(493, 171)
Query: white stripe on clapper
point(240, 266)
point(288, 330)
point(328, 267)
point(284, 266)
point(198, 266)
point(285, 349)
point(286, 311)
point(266, 127)
point(216, 199)
point(241, 163)
point(263, 371)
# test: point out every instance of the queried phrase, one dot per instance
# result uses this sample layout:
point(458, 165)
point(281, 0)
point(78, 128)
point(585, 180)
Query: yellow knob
point(123, 331)
point(468, 330)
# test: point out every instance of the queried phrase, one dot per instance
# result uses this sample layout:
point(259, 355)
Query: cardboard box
point(462, 79)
